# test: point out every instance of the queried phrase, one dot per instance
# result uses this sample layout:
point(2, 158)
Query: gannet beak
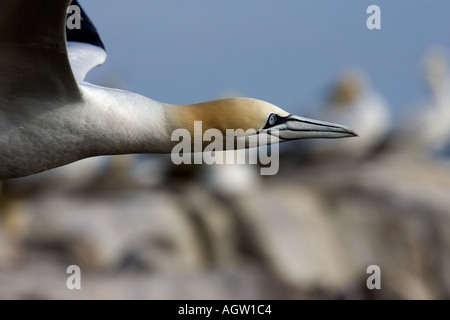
point(294, 127)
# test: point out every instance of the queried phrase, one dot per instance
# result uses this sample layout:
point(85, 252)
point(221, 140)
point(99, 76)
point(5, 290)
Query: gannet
point(431, 116)
point(353, 102)
point(49, 116)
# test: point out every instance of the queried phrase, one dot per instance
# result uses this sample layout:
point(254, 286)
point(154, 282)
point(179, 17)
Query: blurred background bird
point(356, 103)
point(425, 129)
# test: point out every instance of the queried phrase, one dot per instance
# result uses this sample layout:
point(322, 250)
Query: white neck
point(125, 122)
point(107, 121)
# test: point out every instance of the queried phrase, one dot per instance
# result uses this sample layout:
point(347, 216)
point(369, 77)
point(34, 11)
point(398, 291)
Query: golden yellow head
point(250, 116)
point(223, 114)
point(350, 86)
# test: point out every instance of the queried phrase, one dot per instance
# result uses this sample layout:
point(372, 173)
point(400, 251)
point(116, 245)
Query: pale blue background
point(287, 52)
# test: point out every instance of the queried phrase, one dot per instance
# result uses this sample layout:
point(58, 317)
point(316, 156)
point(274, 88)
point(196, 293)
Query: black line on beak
point(313, 123)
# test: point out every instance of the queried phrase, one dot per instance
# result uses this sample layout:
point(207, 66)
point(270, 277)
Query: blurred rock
point(294, 236)
point(10, 252)
point(115, 230)
point(309, 232)
point(42, 278)
point(394, 213)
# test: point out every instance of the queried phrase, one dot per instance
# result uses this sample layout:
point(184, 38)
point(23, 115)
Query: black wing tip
point(87, 33)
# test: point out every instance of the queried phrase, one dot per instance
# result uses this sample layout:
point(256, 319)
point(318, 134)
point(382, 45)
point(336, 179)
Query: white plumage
point(49, 116)
point(426, 127)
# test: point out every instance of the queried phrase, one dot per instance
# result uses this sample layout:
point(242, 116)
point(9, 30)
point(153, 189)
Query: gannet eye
point(272, 119)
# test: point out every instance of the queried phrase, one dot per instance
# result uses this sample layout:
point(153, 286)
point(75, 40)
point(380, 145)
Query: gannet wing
point(84, 46)
point(33, 56)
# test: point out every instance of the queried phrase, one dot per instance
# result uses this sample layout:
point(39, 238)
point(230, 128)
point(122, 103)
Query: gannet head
point(245, 118)
point(350, 86)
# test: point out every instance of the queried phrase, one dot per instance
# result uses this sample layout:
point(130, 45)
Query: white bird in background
point(49, 116)
point(354, 103)
point(235, 179)
point(431, 116)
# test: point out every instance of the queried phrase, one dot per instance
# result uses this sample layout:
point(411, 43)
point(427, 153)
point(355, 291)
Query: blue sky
point(287, 52)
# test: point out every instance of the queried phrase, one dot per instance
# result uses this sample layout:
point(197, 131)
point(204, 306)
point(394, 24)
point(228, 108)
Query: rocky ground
point(309, 232)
